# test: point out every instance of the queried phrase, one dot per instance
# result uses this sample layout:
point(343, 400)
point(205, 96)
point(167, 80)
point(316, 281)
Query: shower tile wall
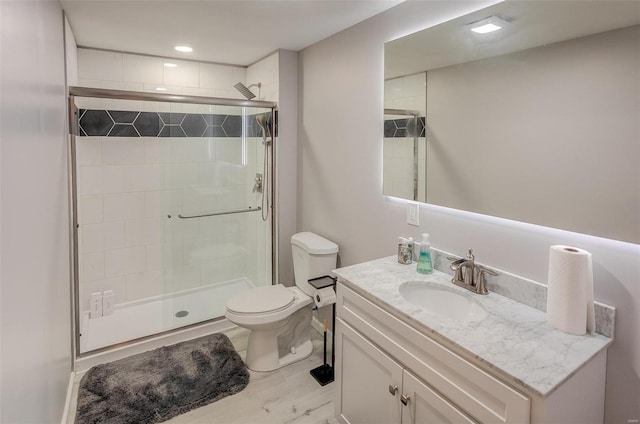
point(128, 186)
point(403, 93)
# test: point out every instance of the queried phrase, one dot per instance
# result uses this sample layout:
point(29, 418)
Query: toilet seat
point(261, 300)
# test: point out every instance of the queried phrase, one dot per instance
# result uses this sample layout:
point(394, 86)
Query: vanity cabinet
point(377, 389)
point(380, 359)
point(375, 350)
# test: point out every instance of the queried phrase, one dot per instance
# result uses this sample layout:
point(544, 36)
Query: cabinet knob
point(404, 399)
point(393, 389)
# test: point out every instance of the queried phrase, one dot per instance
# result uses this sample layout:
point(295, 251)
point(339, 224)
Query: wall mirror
point(538, 121)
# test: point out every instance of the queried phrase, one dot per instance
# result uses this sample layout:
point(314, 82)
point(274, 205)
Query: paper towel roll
point(570, 290)
point(325, 296)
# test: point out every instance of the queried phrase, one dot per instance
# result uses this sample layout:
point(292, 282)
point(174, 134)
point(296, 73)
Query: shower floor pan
point(142, 318)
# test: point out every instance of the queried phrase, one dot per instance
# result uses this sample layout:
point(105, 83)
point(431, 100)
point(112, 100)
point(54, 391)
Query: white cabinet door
point(425, 406)
point(369, 381)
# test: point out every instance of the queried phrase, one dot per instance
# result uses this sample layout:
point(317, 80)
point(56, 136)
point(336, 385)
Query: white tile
point(162, 203)
point(121, 262)
point(151, 150)
point(229, 150)
point(154, 257)
point(123, 206)
point(215, 271)
point(112, 179)
point(92, 266)
point(168, 89)
point(172, 254)
point(142, 231)
point(180, 176)
point(393, 89)
point(125, 86)
point(182, 229)
point(90, 209)
point(414, 85)
point(170, 150)
point(186, 74)
point(239, 75)
point(269, 92)
point(184, 278)
point(143, 284)
point(142, 177)
point(88, 150)
point(201, 92)
point(99, 65)
point(216, 76)
point(101, 237)
point(90, 180)
point(197, 150)
point(264, 71)
point(191, 201)
point(122, 151)
point(90, 83)
point(142, 69)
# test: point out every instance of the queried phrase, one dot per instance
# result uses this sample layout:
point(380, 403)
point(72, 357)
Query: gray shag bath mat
point(154, 386)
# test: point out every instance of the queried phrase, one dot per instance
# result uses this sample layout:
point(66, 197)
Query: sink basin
point(443, 301)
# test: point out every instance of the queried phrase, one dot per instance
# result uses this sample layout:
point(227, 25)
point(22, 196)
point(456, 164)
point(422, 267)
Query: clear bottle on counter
point(424, 259)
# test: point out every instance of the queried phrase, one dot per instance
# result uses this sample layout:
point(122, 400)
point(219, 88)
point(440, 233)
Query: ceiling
point(238, 32)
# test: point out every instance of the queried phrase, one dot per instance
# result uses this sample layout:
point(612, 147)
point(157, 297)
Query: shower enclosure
point(173, 214)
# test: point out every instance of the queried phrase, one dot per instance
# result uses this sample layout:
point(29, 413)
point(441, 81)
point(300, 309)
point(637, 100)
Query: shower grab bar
point(249, 209)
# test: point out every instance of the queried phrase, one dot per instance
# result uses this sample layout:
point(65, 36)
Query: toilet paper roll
point(570, 290)
point(325, 296)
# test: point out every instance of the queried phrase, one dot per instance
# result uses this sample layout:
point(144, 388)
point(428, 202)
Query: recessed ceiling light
point(487, 25)
point(183, 49)
point(170, 65)
point(161, 89)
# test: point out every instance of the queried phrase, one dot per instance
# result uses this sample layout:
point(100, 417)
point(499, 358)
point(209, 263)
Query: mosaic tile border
point(404, 127)
point(529, 292)
point(119, 123)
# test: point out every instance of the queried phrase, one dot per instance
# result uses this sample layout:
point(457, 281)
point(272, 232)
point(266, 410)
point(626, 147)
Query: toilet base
point(268, 350)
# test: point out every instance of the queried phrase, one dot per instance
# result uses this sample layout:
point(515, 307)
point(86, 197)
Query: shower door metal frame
point(100, 93)
point(416, 118)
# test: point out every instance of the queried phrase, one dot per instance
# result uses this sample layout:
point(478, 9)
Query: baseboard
point(67, 402)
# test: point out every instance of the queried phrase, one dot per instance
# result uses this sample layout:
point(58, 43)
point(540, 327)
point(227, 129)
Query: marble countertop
point(514, 340)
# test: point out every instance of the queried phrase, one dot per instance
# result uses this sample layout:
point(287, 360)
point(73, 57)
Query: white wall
point(35, 279)
point(340, 180)
point(287, 154)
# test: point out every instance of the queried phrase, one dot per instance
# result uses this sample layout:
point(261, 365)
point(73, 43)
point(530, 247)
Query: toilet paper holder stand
point(324, 374)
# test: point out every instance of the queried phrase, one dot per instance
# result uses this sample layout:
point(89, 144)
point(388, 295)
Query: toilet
point(279, 317)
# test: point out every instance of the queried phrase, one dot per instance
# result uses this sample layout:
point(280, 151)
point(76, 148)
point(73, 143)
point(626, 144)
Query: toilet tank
point(313, 256)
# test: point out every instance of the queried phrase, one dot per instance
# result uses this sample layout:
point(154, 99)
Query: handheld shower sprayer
point(262, 123)
point(244, 90)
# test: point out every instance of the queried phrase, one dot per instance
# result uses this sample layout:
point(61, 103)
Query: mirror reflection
point(537, 121)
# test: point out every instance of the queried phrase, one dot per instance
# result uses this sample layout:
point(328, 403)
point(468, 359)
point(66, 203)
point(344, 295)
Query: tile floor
point(285, 396)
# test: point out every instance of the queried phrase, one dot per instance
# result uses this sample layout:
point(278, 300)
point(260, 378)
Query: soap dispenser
point(424, 259)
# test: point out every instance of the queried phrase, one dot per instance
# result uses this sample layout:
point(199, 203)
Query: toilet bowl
point(279, 317)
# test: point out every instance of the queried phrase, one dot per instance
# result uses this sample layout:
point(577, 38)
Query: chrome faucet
point(468, 275)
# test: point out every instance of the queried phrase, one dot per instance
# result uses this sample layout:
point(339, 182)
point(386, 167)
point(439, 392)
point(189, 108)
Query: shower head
point(244, 90)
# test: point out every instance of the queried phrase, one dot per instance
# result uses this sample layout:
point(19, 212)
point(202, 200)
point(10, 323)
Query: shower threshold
point(158, 314)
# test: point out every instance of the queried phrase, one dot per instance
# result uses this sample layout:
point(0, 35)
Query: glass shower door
point(215, 242)
point(169, 214)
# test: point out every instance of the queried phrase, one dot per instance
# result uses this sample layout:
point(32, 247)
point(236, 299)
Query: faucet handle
point(470, 255)
point(481, 284)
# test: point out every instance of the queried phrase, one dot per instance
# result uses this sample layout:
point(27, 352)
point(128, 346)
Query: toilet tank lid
point(314, 244)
